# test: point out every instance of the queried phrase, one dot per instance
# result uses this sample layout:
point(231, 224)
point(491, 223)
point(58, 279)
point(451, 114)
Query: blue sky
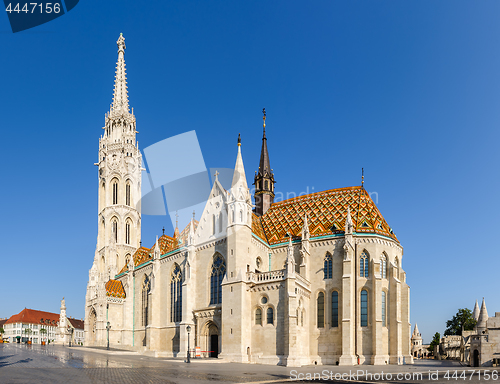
point(409, 90)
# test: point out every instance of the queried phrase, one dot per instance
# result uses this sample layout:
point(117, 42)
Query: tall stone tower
point(119, 218)
point(264, 178)
point(119, 165)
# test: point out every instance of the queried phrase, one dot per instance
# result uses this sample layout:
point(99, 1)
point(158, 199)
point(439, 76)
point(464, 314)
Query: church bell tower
point(264, 178)
point(119, 172)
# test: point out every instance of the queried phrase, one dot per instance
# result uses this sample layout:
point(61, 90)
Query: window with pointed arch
point(270, 315)
point(258, 316)
point(220, 222)
point(321, 310)
point(127, 232)
point(327, 268)
point(176, 295)
point(115, 191)
point(218, 272)
point(335, 309)
point(127, 194)
point(146, 290)
point(384, 309)
point(364, 308)
point(241, 216)
point(114, 227)
point(396, 264)
point(364, 261)
point(213, 225)
point(383, 266)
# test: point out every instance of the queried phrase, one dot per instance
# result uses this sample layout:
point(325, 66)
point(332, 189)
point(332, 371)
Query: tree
point(465, 318)
point(435, 341)
point(43, 332)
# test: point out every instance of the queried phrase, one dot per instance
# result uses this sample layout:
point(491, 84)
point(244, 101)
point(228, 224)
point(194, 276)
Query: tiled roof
point(257, 227)
point(2, 322)
point(76, 323)
point(326, 212)
point(166, 243)
point(32, 316)
point(114, 288)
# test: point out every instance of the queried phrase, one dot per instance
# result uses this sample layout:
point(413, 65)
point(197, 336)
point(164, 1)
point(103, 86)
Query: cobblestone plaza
point(35, 364)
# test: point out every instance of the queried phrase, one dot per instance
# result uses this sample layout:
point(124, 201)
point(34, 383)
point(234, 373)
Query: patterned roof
point(114, 288)
point(183, 236)
point(32, 316)
point(257, 227)
point(326, 212)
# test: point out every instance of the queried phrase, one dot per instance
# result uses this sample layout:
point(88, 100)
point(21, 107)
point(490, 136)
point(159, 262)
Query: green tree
point(43, 332)
point(465, 318)
point(435, 341)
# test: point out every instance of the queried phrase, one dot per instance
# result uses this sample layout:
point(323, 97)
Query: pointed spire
point(120, 93)
point(176, 231)
point(415, 331)
point(191, 232)
point(239, 177)
point(483, 316)
point(476, 311)
point(264, 165)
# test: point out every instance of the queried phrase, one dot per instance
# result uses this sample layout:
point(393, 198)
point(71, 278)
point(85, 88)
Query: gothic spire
point(264, 178)
point(264, 165)
point(120, 93)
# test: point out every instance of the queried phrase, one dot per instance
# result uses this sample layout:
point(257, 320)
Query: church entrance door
point(93, 326)
point(476, 358)
point(214, 345)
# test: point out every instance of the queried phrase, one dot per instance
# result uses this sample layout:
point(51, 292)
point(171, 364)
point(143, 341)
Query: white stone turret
point(483, 318)
point(476, 312)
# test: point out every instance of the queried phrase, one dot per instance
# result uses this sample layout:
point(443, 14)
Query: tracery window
point(364, 308)
point(335, 309)
point(321, 310)
point(146, 290)
point(218, 272)
point(114, 227)
point(364, 260)
point(127, 233)
point(327, 269)
point(176, 295)
point(383, 267)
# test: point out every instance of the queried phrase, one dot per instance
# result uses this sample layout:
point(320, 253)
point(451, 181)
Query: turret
point(483, 318)
point(476, 312)
point(264, 178)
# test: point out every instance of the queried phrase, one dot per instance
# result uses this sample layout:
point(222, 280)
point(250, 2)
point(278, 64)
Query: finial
point(176, 220)
point(121, 34)
point(239, 140)
point(362, 177)
point(216, 174)
point(264, 117)
point(193, 214)
point(163, 230)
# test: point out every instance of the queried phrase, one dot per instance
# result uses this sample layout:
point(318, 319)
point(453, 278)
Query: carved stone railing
point(264, 277)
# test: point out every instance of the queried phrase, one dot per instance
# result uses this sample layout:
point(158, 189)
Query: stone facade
point(317, 279)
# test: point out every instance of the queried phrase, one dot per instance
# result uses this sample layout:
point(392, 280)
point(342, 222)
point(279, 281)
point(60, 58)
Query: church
point(316, 279)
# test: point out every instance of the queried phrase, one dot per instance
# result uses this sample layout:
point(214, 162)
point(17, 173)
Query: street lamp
point(108, 327)
point(188, 329)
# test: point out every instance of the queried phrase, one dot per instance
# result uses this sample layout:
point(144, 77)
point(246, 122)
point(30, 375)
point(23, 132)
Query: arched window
point(241, 216)
point(384, 321)
point(127, 194)
point(115, 192)
point(327, 269)
point(213, 224)
point(335, 309)
point(267, 184)
point(218, 272)
point(364, 260)
point(302, 318)
point(146, 290)
point(364, 308)
point(127, 259)
point(383, 267)
point(396, 264)
point(114, 228)
point(127, 233)
point(220, 222)
point(321, 310)
point(176, 295)
point(258, 316)
point(270, 315)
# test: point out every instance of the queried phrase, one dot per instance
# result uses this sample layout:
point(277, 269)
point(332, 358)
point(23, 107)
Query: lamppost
point(188, 329)
point(108, 327)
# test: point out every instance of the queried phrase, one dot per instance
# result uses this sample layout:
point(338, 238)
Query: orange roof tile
point(114, 288)
point(257, 227)
point(326, 212)
point(32, 316)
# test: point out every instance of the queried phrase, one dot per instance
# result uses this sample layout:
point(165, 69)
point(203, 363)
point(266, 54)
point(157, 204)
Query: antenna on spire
point(362, 177)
